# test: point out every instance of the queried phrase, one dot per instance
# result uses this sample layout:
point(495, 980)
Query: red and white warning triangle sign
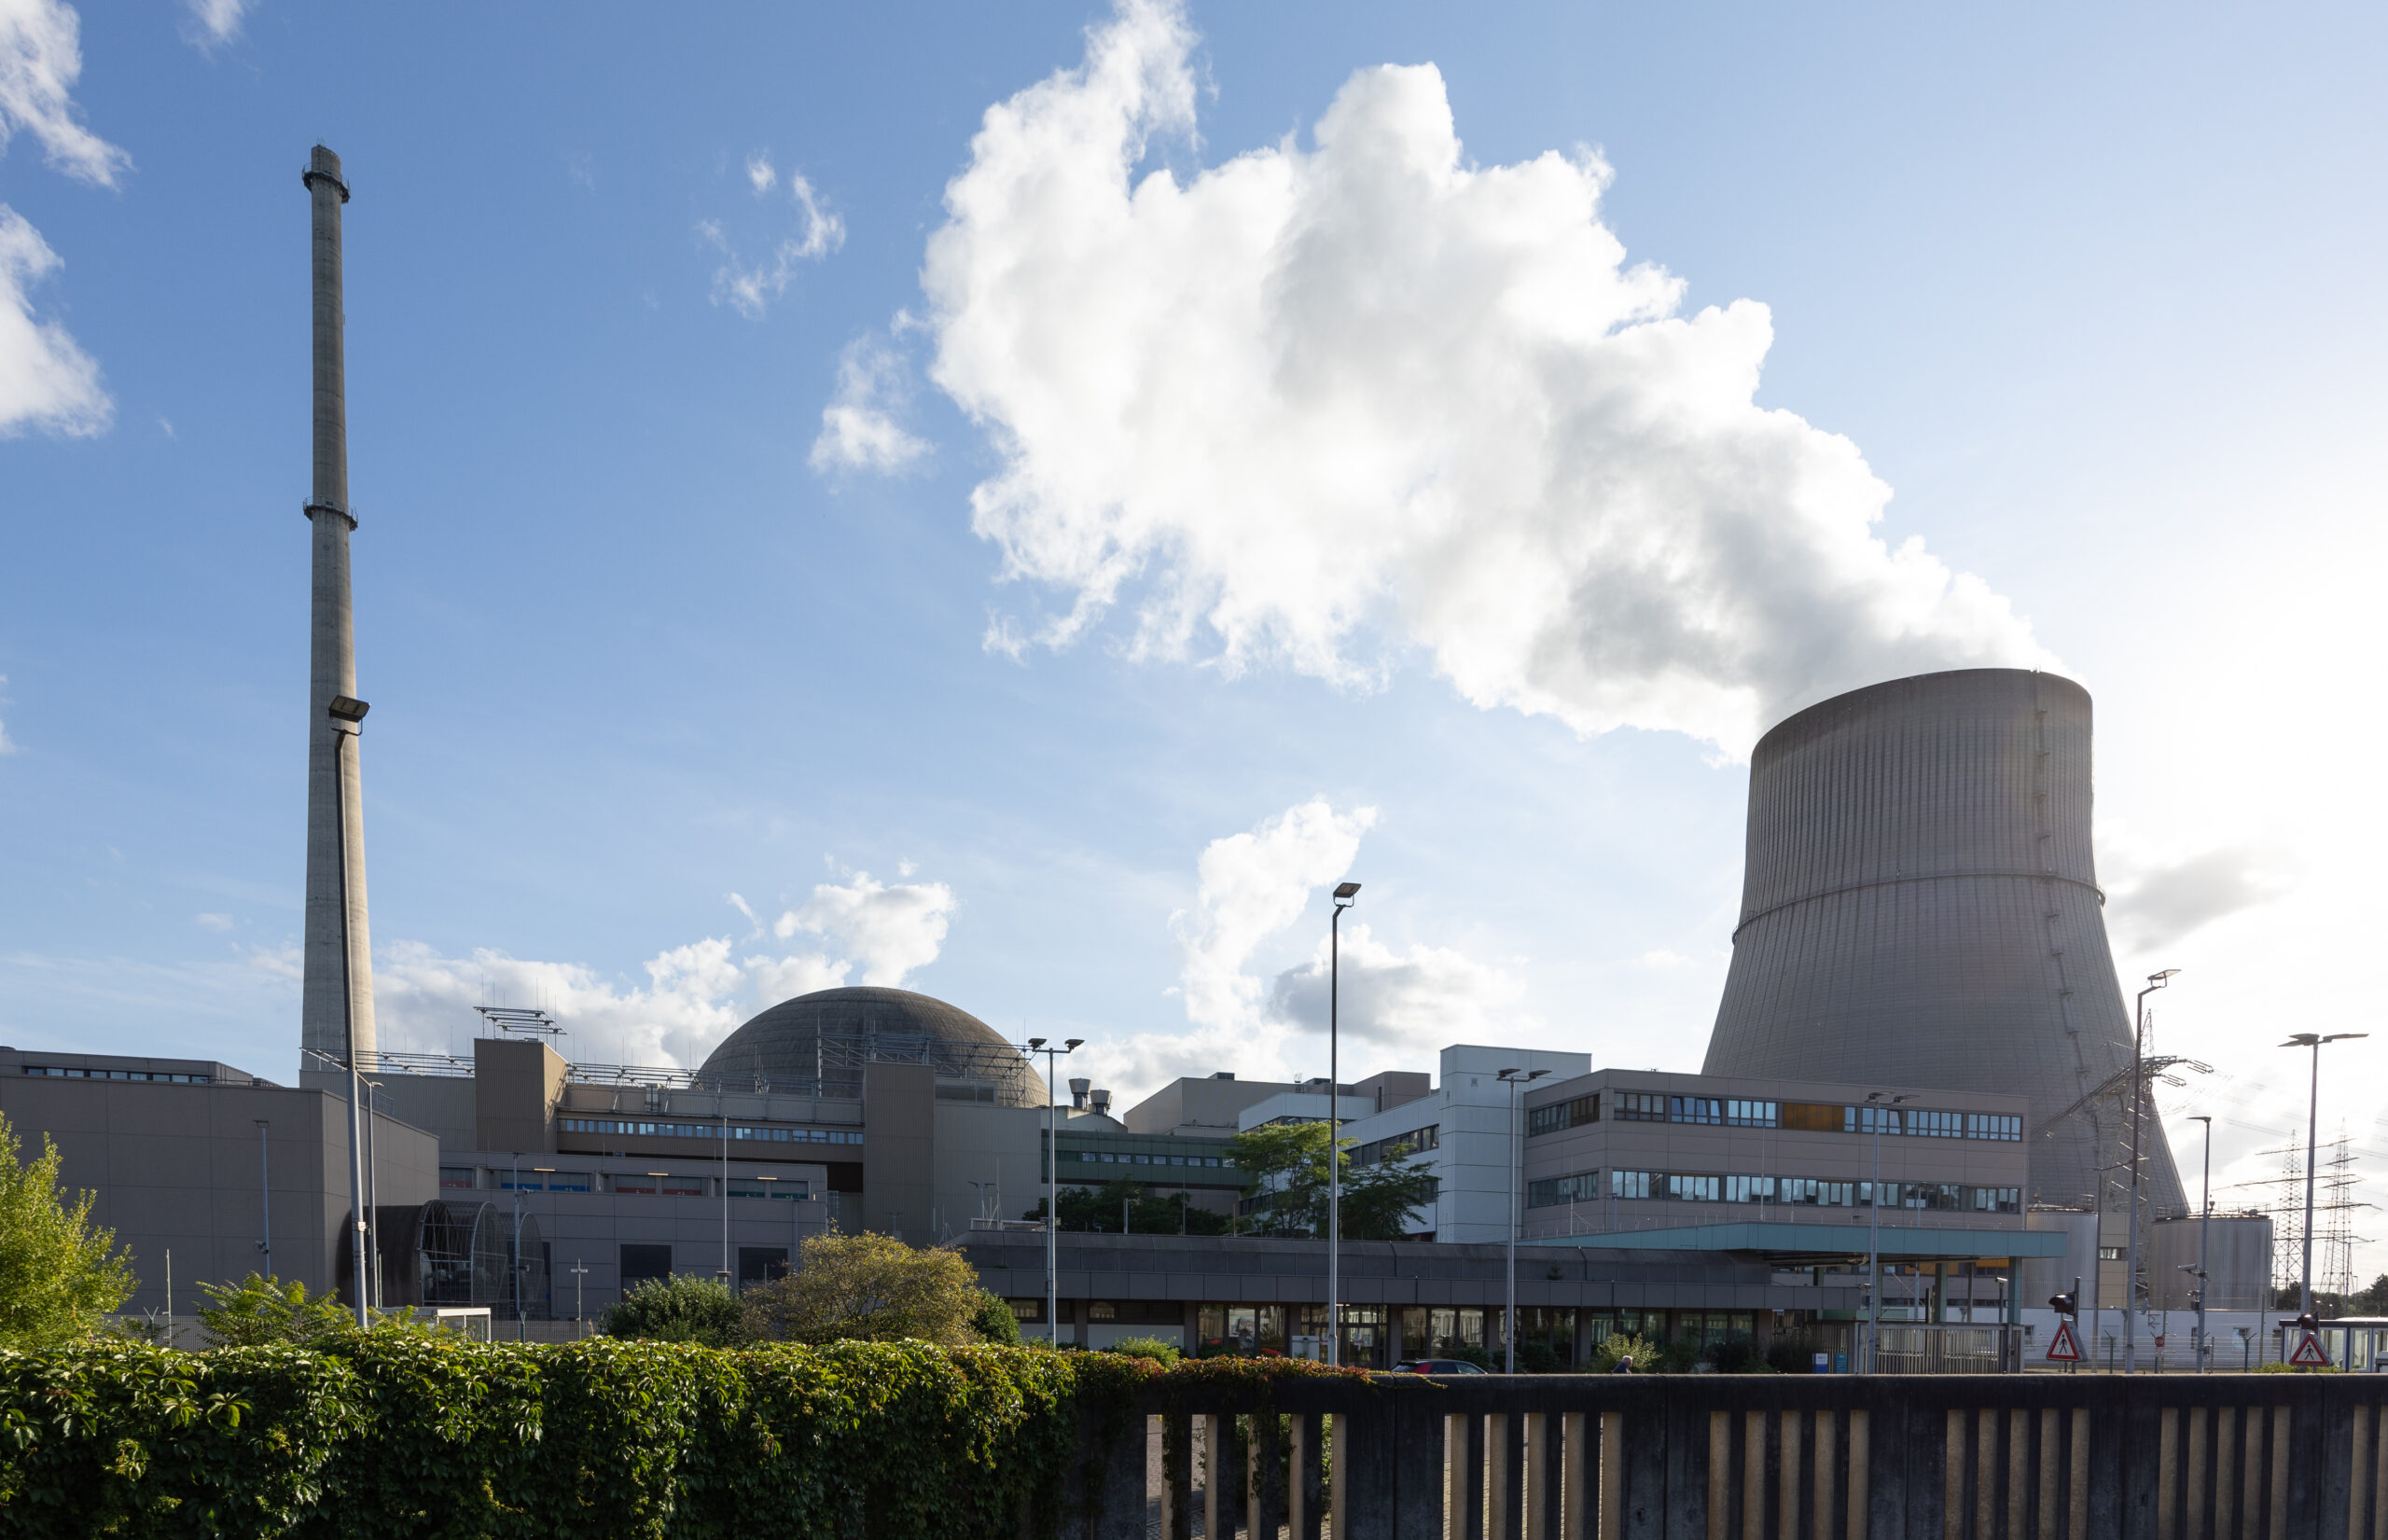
point(2309, 1353)
point(2064, 1348)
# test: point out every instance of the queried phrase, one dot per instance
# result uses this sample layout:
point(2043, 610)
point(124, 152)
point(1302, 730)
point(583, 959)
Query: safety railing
point(1402, 1457)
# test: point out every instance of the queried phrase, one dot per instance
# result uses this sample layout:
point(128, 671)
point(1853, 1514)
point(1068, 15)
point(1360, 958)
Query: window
point(1631, 1183)
point(1937, 1125)
point(641, 1263)
point(1873, 1119)
point(708, 1130)
point(760, 1264)
point(1814, 1118)
point(1695, 1109)
point(1376, 1149)
point(1996, 1200)
point(458, 1176)
point(1555, 1115)
point(1938, 1196)
point(1685, 1188)
point(2110, 1254)
point(1749, 1189)
point(1639, 1106)
point(1809, 1192)
point(569, 1180)
point(1992, 1125)
point(1551, 1191)
point(1750, 1115)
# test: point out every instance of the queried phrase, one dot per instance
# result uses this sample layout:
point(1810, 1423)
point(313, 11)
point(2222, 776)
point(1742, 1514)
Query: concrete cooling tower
point(1920, 908)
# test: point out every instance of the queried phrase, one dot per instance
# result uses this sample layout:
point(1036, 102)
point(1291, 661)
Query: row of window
point(709, 1130)
point(1796, 1191)
point(1420, 1143)
point(651, 1182)
point(67, 1073)
point(1644, 1106)
point(1122, 1157)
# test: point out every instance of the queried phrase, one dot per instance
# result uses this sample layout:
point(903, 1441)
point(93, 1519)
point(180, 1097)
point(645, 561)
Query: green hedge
point(405, 1434)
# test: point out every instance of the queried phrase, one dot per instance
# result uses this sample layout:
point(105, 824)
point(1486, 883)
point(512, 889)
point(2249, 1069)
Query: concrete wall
point(178, 1167)
point(1001, 1147)
point(899, 1151)
point(516, 1085)
point(1206, 1105)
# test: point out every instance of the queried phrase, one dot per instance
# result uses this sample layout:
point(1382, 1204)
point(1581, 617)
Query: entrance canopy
point(1808, 1245)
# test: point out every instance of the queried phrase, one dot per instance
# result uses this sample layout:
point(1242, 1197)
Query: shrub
point(258, 1310)
point(994, 1323)
point(871, 1288)
point(681, 1309)
point(1164, 1354)
point(400, 1434)
point(1647, 1354)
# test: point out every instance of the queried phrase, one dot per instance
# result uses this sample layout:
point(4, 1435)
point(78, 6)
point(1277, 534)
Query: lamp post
point(2205, 1217)
point(1881, 1102)
point(2312, 1130)
point(1052, 1186)
point(728, 1279)
point(1346, 894)
point(347, 715)
point(2138, 1115)
point(1515, 1079)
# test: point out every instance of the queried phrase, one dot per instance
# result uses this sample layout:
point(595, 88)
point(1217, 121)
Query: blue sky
point(2095, 296)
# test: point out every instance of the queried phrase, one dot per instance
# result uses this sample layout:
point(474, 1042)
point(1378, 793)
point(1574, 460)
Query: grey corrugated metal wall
point(1920, 908)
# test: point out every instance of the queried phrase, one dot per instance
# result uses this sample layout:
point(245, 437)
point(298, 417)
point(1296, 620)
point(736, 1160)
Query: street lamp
point(1516, 1080)
point(1881, 1102)
point(347, 715)
point(2138, 1115)
point(1346, 894)
point(2312, 1127)
point(1052, 1185)
point(2205, 1216)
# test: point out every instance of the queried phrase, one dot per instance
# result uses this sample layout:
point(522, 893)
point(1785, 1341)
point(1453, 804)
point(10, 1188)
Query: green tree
point(994, 1323)
point(59, 1272)
point(871, 1289)
point(681, 1309)
point(1287, 1165)
point(259, 1309)
point(1099, 1210)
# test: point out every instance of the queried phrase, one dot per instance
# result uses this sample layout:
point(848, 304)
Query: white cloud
point(694, 995)
point(750, 290)
point(40, 57)
point(890, 930)
point(759, 174)
point(46, 381)
point(1313, 404)
point(1249, 887)
point(858, 428)
point(217, 21)
point(212, 921)
point(2154, 904)
point(1411, 1003)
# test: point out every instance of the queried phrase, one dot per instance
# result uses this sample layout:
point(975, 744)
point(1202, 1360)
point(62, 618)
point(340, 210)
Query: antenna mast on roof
point(516, 1019)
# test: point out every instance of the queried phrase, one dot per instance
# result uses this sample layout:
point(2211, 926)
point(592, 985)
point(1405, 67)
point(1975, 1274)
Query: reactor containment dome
point(829, 1037)
point(1920, 906)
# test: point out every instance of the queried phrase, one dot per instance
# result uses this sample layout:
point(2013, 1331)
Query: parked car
point(1437, 1365)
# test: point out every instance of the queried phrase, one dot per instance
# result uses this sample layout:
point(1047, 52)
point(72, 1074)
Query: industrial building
point(1917, 1055)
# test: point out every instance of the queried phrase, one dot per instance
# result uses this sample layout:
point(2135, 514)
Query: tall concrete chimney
point(334, 985)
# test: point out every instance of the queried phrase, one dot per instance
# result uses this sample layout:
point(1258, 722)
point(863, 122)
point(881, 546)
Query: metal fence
point(1402, 1457)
